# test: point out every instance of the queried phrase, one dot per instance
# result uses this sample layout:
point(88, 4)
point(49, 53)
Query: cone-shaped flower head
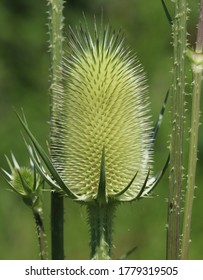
point(101, 112)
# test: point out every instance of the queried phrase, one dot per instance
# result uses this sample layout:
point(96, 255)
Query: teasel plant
point(103, 141)
point(101, 134)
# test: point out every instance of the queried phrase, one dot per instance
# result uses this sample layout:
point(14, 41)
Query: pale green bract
point(102, 104)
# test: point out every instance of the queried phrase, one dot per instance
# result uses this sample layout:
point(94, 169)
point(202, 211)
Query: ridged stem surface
point(41, 235)
point(197, 79)
point(100, 221)
point(176, 164)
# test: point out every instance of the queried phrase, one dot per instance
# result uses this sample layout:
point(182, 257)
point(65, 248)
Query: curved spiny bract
point(102, 102)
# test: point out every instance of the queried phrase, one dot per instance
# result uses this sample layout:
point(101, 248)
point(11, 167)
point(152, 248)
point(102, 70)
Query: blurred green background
point(24, 82)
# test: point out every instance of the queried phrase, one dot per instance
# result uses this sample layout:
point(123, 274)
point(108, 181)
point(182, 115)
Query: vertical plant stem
point(56, 41)
point(41, 235)
point(197, 74)
point(101, 220)
point(57, 231)
point(176, 159)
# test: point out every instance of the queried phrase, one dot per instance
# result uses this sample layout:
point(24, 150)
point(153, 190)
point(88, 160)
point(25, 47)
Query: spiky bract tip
point(101, 103)
point(24, 181)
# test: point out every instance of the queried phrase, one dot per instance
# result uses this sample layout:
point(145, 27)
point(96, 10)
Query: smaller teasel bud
point(27, 183)
point(24, 181)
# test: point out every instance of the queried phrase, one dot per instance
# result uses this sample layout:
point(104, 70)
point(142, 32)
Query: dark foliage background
point(24, 82)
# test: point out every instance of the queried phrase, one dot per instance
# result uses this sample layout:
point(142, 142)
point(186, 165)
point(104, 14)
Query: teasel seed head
point(101, 118)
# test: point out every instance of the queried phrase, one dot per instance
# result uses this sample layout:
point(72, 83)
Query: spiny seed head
point(101, 105)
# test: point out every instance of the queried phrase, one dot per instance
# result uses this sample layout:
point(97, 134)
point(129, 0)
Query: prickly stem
point(101, 221)
point(41, 235)
point(56, 40)
point(176, 147)
point(197, 68)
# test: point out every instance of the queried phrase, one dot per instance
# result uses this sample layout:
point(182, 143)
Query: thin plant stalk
point(41, 235)
point(57, 228)
point(56, 40)
point(176, 147)
point(197, 78)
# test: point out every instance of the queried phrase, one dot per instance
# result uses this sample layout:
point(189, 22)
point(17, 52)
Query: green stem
point(197, 73)
point(56, 40)
point(101, 220)
point(176, 165)
point(41, 235)
point(57, 235)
